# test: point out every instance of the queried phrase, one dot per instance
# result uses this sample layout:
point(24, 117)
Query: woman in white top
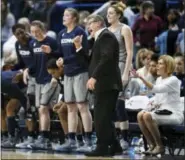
point(123, 34)
point(165, 107)
point(136, 86)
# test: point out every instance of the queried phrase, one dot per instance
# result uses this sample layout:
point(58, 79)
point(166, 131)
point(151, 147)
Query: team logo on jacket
point(67, 40)
point(37, 50)
point(24, 53)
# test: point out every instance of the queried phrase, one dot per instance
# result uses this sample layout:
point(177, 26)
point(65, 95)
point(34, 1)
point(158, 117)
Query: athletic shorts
point(31, 85)
point(46, 94)
point(75, 88)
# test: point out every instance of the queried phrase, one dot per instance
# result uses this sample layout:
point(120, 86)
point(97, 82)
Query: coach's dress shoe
point(100, 151)
point(115, 148)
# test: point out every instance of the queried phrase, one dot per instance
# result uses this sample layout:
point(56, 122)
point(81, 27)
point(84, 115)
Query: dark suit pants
point(104, 110)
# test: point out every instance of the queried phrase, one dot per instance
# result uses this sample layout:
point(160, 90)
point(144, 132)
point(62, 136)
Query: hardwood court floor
point(27, 154)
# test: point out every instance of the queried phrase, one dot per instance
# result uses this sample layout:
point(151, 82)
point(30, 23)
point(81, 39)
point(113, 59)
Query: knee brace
point(31, 99)
point(120, 111)
point(31, 113)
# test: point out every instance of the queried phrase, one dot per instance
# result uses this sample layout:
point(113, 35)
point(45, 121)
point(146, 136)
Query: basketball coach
point(104, 82)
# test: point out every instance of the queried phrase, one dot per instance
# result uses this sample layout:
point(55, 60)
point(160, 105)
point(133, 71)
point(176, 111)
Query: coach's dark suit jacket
point(104, 62)
point(104, 68)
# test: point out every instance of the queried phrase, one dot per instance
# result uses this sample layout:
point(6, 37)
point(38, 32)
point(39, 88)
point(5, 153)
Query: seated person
point(140, 57)
point(136, 86)
point(179, 70)
point(13, 91)
point(153, 66)
point(166, 108)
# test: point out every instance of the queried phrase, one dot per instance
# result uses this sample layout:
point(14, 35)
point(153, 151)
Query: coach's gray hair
point(97, 18)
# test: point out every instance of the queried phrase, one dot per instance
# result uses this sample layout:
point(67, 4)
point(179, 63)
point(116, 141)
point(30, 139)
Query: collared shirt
point(96, 36)
point(99, 32)
point(145, 31)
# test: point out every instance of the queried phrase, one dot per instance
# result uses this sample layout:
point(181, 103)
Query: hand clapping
point(78, 41)
point(46, 49)
point(135, 74)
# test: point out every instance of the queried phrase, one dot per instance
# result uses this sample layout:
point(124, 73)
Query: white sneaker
point(124, 144)
point(24, 144)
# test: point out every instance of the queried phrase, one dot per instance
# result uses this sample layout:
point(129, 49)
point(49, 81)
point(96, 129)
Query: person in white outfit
point(165, 109)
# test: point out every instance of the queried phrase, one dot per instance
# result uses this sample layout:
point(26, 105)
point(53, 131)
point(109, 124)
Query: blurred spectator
point(153, 65)
point(172, 18)
point(180, 71)
point(16, 7)
point(181, 23)
point(103, 9)
point(140, 56)
point(7, 21)
point(166, 42)
point(180, 42)
point(35, 10)
point(54, 12)
point(136, 86)
point(83, 15)
point(144, 71)
point(146, 27)
point(131, 11)
point(160, 8)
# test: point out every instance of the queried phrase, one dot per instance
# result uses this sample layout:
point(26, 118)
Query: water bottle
point(128, 94)
point(150, 94)
point(143, 89)
point(134, 141)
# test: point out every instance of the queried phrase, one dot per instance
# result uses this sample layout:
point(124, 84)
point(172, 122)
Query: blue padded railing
point(81, 5)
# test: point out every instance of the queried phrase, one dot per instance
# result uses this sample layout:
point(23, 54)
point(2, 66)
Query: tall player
point(75, 77)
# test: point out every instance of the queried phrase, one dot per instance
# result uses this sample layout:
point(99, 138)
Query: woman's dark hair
point(155, 57)
point(178, 54)
point(51, 64)
point(146, 5)
point(132, 3)
point(177, 15)
point(16, 26)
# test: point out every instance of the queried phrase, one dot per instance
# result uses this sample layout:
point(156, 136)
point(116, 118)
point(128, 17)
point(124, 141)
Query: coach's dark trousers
point(104, 109)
